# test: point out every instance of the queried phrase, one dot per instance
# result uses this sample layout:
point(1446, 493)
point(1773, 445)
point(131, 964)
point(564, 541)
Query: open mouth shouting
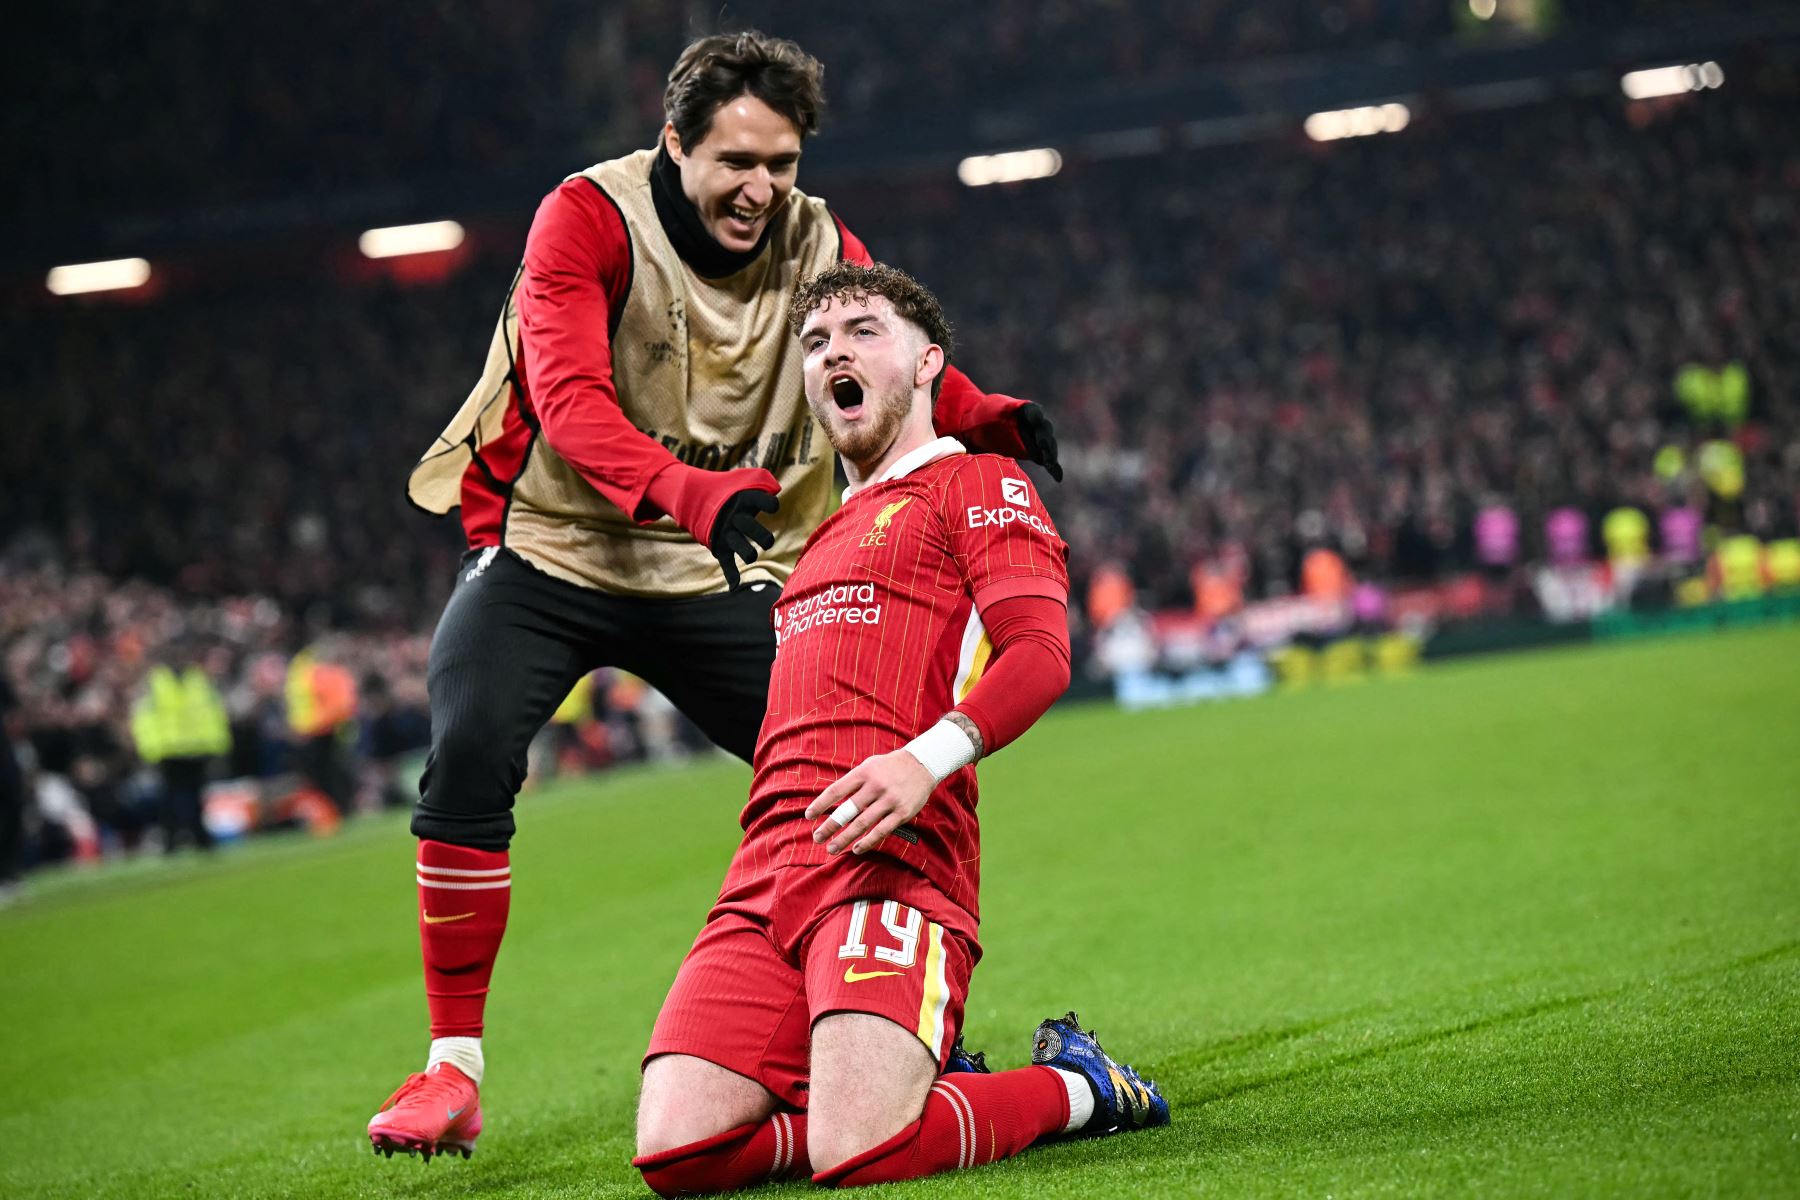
point(846, 393)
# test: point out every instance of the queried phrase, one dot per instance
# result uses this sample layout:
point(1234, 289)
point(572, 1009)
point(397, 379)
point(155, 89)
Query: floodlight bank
point(113, 275)
point(428, 238)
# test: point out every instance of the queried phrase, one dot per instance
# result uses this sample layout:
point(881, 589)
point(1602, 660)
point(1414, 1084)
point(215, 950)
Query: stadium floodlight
point(395, 240)
point(113, 275)
point(1358, 122)
point(983, 169)
point(1671, 81)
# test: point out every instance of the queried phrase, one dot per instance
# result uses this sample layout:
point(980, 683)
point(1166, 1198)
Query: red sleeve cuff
point(1021, 585)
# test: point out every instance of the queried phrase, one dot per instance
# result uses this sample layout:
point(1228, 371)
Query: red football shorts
point(754, 983)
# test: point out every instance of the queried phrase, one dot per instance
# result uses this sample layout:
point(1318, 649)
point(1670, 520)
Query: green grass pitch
point(1520, 927)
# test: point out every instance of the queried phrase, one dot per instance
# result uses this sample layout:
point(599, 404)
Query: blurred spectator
point(1566, 534)
point(12, 793)
point(395, 722)
point(1218, 582)
point(1711, 396)
point(1781, 564)
point(321, 706)
point(1497, 536)
point(179, 726)
point(1626, 532)
point(1737, 568)
point(1323, 575)
point(1109, 594)
point(1679, 527)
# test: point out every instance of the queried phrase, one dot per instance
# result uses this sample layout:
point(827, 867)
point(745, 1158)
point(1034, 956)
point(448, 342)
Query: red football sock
point(463, 898)
point(737, 1158)
point(969, 1120)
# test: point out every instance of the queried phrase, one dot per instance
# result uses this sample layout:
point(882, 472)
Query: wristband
point(943, 750)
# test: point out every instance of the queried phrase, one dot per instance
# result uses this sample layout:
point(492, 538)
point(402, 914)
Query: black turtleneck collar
point(687, 233)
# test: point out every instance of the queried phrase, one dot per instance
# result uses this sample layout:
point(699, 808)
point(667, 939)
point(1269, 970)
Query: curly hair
point(847, 282)
point(717, 69)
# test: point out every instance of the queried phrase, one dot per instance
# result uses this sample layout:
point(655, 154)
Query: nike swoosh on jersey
point(852, 975)
point(431, 920)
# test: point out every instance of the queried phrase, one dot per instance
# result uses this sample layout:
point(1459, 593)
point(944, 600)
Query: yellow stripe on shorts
point(937, 994)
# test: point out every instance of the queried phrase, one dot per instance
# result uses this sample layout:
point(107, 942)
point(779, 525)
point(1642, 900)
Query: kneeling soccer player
point(812, 1029)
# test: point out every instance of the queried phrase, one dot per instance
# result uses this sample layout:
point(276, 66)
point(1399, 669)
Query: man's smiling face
point(740, 173)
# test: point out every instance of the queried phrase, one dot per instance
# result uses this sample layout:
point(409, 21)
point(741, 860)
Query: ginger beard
point(861, 424)
point(861, 366)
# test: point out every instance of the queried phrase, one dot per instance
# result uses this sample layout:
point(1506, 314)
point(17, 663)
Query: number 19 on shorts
point(902, 924)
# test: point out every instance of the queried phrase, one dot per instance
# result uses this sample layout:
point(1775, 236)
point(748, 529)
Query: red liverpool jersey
point(878, 635)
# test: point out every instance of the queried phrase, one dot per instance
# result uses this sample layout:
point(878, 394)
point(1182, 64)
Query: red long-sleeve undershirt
point(577, 269)
point(1029, 670)
point(576, 275)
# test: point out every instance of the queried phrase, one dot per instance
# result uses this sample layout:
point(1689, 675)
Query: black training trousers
point(513, 641)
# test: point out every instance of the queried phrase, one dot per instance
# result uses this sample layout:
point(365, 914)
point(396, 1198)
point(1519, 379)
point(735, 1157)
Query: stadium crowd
point(1251, 354)
point(80, 650)
point(316, 722)
point(528, 86)
point(1259, 351)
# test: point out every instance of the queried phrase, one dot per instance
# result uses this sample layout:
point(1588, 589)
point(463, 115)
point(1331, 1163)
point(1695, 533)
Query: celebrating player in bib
point(813, 1029)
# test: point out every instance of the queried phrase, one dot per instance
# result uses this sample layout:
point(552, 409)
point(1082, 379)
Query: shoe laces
point(425, 1085)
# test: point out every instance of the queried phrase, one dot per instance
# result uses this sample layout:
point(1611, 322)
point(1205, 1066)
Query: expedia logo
point(877, 535)
point(845, 604)
point(979, 516)
point(1015, 496)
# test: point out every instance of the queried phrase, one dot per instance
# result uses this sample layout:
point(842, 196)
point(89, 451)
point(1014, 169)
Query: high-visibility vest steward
point(180, 716)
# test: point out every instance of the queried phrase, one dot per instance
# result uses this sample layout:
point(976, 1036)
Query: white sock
point(463, 1053)
point(1081, 1099)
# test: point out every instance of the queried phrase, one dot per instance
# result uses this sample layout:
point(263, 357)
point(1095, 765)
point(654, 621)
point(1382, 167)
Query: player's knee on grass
point(685, 1101)
point(869, 1081)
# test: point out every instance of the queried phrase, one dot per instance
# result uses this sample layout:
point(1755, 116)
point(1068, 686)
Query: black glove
point(1039, 436)
point(736, 527)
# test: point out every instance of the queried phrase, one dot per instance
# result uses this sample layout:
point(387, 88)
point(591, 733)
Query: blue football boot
point(963, 1063)
point(1123, 1099)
